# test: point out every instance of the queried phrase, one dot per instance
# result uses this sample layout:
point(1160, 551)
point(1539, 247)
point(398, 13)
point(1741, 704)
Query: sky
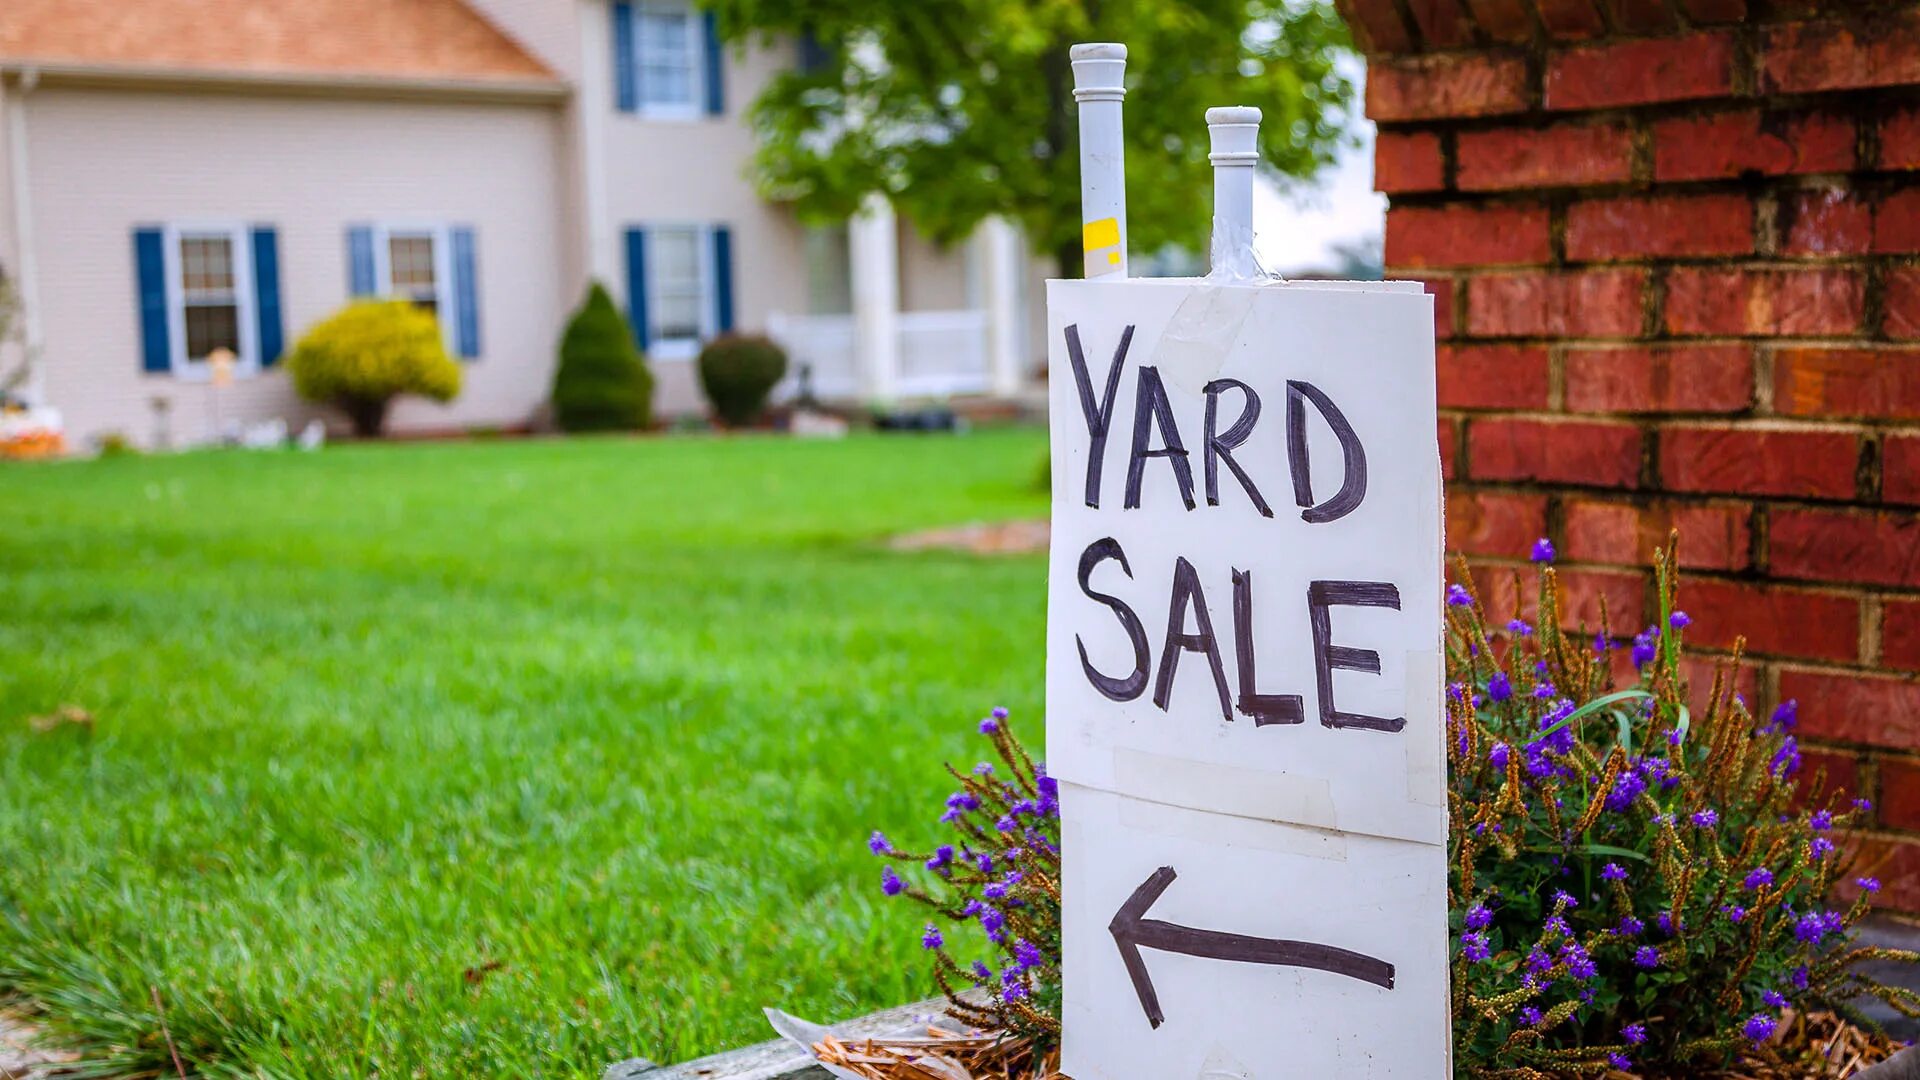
point(1298, 230)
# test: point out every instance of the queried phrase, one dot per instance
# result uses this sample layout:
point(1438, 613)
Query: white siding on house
point(105, 161)
point(691, 171)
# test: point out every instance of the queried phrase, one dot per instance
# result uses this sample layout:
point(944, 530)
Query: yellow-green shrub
point(368, 353)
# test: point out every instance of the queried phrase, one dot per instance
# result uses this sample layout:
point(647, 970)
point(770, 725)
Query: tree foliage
point(962, 109)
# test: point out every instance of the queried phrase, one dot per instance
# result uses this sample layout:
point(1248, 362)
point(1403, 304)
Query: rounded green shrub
point(738, 372)
point(602, 382)
point(368, 353)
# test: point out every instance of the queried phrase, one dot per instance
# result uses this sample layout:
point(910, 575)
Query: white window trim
point(239, 236)
point(659, 348)
point(445, 298)
point(695, 107)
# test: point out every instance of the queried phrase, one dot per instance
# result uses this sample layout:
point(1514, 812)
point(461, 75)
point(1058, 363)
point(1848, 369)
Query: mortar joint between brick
point(1871, 616)
point(1762, 381)
point(1867, 474)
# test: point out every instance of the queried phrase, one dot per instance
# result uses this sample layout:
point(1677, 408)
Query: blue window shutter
point(150, 264)
point(466, 291)
point(266, 294)
point(360, 261)
point(626, 80)
point(722, 278)
point(637, 285)
point(716, 72)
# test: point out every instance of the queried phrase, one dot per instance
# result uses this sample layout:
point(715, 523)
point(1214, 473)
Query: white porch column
point(874, 253)
point(1000, 251)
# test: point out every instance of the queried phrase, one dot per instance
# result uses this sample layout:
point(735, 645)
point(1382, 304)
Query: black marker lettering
point(1220, 447)
point(1264, 708)
point(1327, 656)
point(1150, 407)
point(1187, 594)
point(1354, 487)
point(1115, 689)
point(1099, 416)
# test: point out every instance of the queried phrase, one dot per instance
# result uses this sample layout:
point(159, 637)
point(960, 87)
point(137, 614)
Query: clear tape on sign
point(1221, 789)
point(1201, 335)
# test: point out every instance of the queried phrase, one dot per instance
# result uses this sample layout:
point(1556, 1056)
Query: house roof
point(309, 41)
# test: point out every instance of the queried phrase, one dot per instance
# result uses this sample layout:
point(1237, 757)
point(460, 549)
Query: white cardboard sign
point(1244, 678)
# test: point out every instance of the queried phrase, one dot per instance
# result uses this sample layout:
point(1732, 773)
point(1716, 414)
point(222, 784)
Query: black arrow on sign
point(1131, 931)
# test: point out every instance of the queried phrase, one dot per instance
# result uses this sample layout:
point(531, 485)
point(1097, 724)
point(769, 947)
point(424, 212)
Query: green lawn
point(616, 716)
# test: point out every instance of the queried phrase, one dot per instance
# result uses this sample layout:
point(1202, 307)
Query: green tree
point(962, 109)
point(602, 382)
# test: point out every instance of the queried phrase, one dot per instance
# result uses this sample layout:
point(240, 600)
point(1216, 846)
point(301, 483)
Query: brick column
point(1675, 246)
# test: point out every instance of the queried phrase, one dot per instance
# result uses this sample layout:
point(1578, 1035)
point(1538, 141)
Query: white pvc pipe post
point(1099, 86)
point(1234, 132)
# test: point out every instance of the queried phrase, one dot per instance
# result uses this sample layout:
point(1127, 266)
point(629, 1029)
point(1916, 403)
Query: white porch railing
point(941, 353)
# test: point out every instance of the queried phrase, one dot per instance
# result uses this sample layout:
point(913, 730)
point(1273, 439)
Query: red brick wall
point(1675, 246)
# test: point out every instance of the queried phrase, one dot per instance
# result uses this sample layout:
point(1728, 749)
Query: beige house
point(182, 175)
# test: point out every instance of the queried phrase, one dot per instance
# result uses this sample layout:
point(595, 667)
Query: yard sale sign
point(1244, 675)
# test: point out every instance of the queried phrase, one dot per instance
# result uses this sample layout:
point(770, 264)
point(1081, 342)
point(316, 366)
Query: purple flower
point(1542, 550)
point(985, 768)
point(991, 920)
point(931, 939)
point(1644, 649)
point(1786, 760)
point(941, 858)
point(989, 725)
point(1497, 756)
point(1499, 688)
point(1678, 620)
point(1814, 926)
point(1561, 896)
point(1800, 978)
point(981, 973)
point(1011, 988)
point(1734, 912)
point(1458, 596)
point(890, 882)
point(1613, 872)
point(1863, 805)
point(1520, 627)
point(1629, 927)
point(1646, 957)
point(1785, 716)
point(1006, 824)
point(1479, 917)
point(1868, 884)
point(1473, 946)
point(1027, 954)
point(1625, 789)
point(877, 843)
point(1619, 1060)
point(984, 862)
point(1759, 1027)
point(1821, 821)
point(1538, 960)
point(1821, 847)
point(1634, 1034)
point(1758, 878)
point(999, 712)
point(1705, 819)
point(1774, 998)
point(1530, 1016)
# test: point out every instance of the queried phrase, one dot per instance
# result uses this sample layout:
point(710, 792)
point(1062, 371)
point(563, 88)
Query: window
point(412, 271)
point(678, 305)
point(209, 288)
point(829, 270)
point(209, 295)
point(668, 51)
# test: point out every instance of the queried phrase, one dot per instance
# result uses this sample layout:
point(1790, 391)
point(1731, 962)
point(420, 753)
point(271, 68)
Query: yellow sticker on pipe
point(1100, 240)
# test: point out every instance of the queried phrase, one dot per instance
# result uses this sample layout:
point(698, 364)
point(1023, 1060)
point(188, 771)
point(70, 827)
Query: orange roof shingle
point(424, 40)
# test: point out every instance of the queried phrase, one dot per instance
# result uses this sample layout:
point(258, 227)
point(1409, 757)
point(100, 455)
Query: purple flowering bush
point(995, 885)
point(1635, 884)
